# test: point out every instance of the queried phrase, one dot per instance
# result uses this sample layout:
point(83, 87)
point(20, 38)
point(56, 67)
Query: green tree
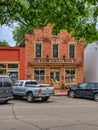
point(4, 43)
point(19, 34)
point(79, 16)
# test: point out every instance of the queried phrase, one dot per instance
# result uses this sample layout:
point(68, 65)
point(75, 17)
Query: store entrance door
point(55, 78)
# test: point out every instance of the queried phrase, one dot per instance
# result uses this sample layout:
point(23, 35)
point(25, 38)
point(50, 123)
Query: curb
point(60, 95)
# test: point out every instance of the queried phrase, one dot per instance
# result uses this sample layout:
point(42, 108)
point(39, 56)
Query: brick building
point(12, 62)
point(56, 59)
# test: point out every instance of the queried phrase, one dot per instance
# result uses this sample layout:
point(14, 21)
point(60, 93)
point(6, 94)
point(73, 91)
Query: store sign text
point(54, 61)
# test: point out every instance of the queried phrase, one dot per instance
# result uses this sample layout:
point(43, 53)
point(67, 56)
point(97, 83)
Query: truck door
point(21, 88)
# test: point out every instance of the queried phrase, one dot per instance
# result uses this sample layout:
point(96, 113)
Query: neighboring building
point(91, 62)
point(56, 59)
point(12, 62)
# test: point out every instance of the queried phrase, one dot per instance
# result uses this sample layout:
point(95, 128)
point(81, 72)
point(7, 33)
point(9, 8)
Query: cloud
point(6, 34)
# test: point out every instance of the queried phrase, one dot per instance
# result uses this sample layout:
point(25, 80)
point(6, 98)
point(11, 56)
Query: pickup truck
point(31, 90)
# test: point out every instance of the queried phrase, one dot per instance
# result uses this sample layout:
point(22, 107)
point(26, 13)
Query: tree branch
point(21, 21)
point(4, 3)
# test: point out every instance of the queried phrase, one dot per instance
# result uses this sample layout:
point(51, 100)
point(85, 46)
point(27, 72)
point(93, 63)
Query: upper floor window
point(71, 51)
point(55, 51)
point(38, 50)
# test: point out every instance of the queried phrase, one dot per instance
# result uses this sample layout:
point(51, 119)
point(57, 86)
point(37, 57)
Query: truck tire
point(30, 97)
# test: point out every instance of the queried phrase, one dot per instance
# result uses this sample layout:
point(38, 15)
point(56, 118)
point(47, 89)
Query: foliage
point(79, 16)
point(4, 43)
point(19, 33)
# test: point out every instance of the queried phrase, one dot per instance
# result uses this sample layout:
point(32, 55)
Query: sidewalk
point(59, 92)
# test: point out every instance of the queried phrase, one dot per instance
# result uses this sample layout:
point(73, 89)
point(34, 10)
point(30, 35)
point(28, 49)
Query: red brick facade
point(52, 59)
point(42, 65)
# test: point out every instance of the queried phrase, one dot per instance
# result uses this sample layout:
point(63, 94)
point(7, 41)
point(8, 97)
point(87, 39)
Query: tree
point(78, 16)
point(19, 34)
point(4, 43)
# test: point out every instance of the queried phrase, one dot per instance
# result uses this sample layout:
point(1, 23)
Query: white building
point(91, 62)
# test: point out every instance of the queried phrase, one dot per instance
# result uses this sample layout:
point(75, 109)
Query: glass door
point(55, 78)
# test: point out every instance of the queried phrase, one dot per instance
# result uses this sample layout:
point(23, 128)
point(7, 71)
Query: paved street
point(59, 113)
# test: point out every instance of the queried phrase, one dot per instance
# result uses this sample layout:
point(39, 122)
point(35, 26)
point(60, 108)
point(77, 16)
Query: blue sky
point(6, 34)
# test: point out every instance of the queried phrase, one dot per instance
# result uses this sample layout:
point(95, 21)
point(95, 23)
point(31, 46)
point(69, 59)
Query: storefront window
point(70, 75)
point(39, 75)
point(13, 71)
point(2, 65)
point(13, 75)
point(12, 65)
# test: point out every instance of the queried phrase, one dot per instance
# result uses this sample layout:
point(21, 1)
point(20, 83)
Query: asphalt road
point(59, 113)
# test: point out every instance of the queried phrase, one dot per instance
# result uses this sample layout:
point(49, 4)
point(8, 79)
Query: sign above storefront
point(55, 61)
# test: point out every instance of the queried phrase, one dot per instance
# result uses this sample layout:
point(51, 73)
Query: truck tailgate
point(46, 89)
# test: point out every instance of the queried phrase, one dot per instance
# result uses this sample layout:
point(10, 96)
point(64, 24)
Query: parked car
point(5, 89)
point(31, 90)
point(85, 90)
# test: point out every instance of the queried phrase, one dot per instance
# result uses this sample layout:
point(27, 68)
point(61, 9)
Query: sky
point(6, 34)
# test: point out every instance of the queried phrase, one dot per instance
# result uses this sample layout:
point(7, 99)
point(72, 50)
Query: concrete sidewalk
point(59, 92)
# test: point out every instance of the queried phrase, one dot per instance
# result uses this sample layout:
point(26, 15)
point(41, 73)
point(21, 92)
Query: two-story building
point(56, 59)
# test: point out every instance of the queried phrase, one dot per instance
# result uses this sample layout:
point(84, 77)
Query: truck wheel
point(30, 97)
point(45, 99)
point(96, 97)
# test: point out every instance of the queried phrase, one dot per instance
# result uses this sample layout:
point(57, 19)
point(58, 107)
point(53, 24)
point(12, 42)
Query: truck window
point(16, 84)
point(30, 83)
point(21, 83)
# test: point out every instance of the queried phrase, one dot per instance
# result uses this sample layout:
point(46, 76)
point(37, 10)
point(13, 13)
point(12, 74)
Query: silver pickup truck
point(31, 90)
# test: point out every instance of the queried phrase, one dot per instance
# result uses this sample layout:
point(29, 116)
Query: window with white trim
point(71, 51)
point(38, 50)
point(55, 50)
